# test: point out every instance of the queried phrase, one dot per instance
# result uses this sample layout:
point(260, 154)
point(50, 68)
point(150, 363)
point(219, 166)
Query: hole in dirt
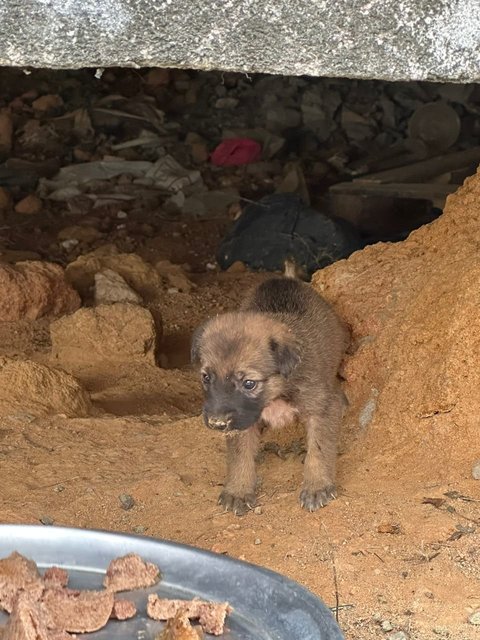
point(175, 351)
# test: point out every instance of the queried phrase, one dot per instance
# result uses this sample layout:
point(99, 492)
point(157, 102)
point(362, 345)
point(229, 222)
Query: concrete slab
point(383, 39)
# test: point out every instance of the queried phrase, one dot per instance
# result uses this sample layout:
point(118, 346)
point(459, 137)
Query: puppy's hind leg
point(239, 492)
point(320, 462)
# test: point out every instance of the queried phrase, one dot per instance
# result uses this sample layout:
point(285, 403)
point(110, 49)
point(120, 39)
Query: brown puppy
point(274, 359)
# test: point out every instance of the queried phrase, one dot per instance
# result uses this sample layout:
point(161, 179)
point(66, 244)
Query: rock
point(368, 411)
point(5, 197)
point(175, 275)
point(316, 116)
point(199, 151)
point(198, 147)
point(475, 618)
point(48, 521)
point(69, 245)
point(389, 527)
point(280, 118)
point(386, 625)
point(110, 287)
point(476, 470)
point(357, 128)
point(127, 501)
point(226, 103)
point(31, 290)
point(39, 390)
point(237, 267)
point(29, 206)
point(210, 203)
point(139, 528)
point(49, 104)
point(6, 133)
point(138, 274)
point(398, 635)
point(82, 234)
point(108, 333)
point(424, 289)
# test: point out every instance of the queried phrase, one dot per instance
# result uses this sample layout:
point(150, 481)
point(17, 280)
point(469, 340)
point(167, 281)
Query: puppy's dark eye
point(205, 378)
point(249, 385)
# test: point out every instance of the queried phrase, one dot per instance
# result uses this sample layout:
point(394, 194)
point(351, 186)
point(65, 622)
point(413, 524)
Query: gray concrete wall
point(384, 39)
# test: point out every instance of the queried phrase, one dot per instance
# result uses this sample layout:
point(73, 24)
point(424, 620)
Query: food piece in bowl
point(18, 574)
point(211, 615)
point(179, 628)
point(28, 621)
point(131, 572)
point(55, 577)
point(123, 610)
point(77, 611)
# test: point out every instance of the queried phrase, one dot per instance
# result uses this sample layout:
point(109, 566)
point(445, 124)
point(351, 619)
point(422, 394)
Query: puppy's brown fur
point(287, 342)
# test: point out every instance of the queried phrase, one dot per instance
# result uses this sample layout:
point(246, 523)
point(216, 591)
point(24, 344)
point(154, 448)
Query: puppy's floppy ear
point(196, 343)
point(286, 355)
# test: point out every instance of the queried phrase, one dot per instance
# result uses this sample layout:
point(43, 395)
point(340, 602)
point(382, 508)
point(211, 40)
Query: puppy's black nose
point(220, 422)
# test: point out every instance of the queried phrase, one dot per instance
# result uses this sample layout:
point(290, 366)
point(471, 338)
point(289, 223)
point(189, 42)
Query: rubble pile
point(111, 154)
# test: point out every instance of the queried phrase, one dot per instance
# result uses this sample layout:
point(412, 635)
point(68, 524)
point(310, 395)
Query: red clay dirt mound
point(413, 307)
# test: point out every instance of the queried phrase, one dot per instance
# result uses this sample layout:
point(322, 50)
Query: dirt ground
point(396, 556)
point(391, 562)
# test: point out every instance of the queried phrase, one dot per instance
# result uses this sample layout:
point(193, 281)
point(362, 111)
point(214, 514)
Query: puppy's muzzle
point(219, 423)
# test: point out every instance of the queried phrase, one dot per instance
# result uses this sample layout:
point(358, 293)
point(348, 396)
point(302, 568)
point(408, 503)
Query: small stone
point(475, 618)
point(258, 511)
point(280, 118)
point(389, 527)
point(257, 541)
point(59, 488)
point(172, 290)
point(46, 520)
point(210, 266)
point(476, 470)
point(139, 528)
point(219, 548)
point(226, 103)
point(110, 287)
point(121, 215)
point(386, 625)
point(140, 275)
point(68, 245)
point(80, 233)
point(127, 501)
point(48, 104)
point(29, 206)
point(199, 151)
point(441, 631)
point(398, 635)
point(81, 155)
point(237, 267)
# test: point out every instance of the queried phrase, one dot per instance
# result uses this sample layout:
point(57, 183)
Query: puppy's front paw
point(311, 500)
point(239, 505)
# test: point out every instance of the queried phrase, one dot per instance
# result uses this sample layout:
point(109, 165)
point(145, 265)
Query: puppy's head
point(245, 359)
